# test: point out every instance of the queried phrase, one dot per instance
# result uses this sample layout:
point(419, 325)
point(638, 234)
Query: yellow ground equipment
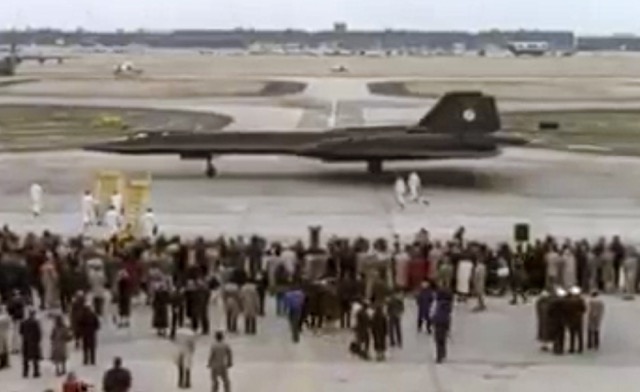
point(135, 191)
point(136, 202)
point(107, 183)
point(109, 121)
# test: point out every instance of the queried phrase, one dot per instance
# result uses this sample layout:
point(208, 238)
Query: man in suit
point(31, 333)
point(220, 361)
point(89, 325)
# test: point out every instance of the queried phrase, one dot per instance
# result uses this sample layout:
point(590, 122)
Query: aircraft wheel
point(211, 170)
point(374, 167)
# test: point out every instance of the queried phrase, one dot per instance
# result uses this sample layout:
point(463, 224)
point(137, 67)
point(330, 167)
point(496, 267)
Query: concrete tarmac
point(557, 193)
point(490, 351)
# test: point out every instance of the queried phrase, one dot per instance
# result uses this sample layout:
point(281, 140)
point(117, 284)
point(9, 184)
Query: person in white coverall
point(149, 227)
point(36, 199)
point(88, 209)
point(401, 191)
point(414, 183)
point(415, 187)
point(112, 221)
point(116, 201)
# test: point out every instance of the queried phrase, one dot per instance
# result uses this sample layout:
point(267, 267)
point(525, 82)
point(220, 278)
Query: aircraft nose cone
point(101, 147)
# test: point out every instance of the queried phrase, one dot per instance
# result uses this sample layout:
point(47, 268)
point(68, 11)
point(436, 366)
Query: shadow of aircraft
point(432, 177)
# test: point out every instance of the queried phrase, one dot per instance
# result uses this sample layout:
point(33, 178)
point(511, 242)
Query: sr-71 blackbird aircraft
point(460, 125)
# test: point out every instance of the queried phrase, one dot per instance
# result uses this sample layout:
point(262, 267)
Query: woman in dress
point(60, 337)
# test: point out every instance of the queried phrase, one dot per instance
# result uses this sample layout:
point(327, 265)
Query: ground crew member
point(400, 191)
point(36, 199)
point(220, 361)
point(149, 226)
point(116, 201)
point(595, 313)
point(415, 188)
point(112, 219)
point(414, 183)
point(88, 209)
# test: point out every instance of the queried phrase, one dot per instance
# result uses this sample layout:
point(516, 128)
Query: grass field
point(537, 89)
point(603, 131)
point(30, 128)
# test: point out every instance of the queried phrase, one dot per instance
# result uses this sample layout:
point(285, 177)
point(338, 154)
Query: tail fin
point(333, 116)
point(463, 112)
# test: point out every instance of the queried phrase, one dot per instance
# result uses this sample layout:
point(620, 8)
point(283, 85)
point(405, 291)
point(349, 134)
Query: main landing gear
point(211, 170)
point(374, 167)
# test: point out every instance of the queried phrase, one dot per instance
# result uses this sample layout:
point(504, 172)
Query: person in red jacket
point(72, 384)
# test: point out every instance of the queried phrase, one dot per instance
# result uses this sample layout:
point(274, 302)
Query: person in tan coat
point(60, 336)
point(595, 314)
point(250, 307)
point(232, 305)
point(185, 350)
point(479, 284)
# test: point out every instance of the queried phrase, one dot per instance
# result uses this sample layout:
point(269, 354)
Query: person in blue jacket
point(441, 320)
point(424, 300)
point(294, 303)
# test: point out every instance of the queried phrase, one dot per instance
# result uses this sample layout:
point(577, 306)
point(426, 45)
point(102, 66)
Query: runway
point(566, 194)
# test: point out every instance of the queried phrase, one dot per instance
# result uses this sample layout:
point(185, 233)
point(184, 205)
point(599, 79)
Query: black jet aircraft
point(460, 125)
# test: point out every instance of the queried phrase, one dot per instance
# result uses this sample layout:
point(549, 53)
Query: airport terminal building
point(338, 38)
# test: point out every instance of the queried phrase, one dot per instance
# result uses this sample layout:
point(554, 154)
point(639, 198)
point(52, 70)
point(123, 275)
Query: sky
point(582, 16)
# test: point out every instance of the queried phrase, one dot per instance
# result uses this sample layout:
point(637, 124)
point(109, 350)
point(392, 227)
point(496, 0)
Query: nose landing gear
point(211, 170)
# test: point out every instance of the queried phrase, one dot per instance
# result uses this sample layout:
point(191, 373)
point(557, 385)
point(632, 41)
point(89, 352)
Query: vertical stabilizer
point(463, 112)
point(333, 115)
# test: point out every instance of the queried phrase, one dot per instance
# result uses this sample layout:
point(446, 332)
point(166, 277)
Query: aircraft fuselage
point(460, 125)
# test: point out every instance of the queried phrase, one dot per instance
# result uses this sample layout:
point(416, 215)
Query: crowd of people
point(200, 287)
